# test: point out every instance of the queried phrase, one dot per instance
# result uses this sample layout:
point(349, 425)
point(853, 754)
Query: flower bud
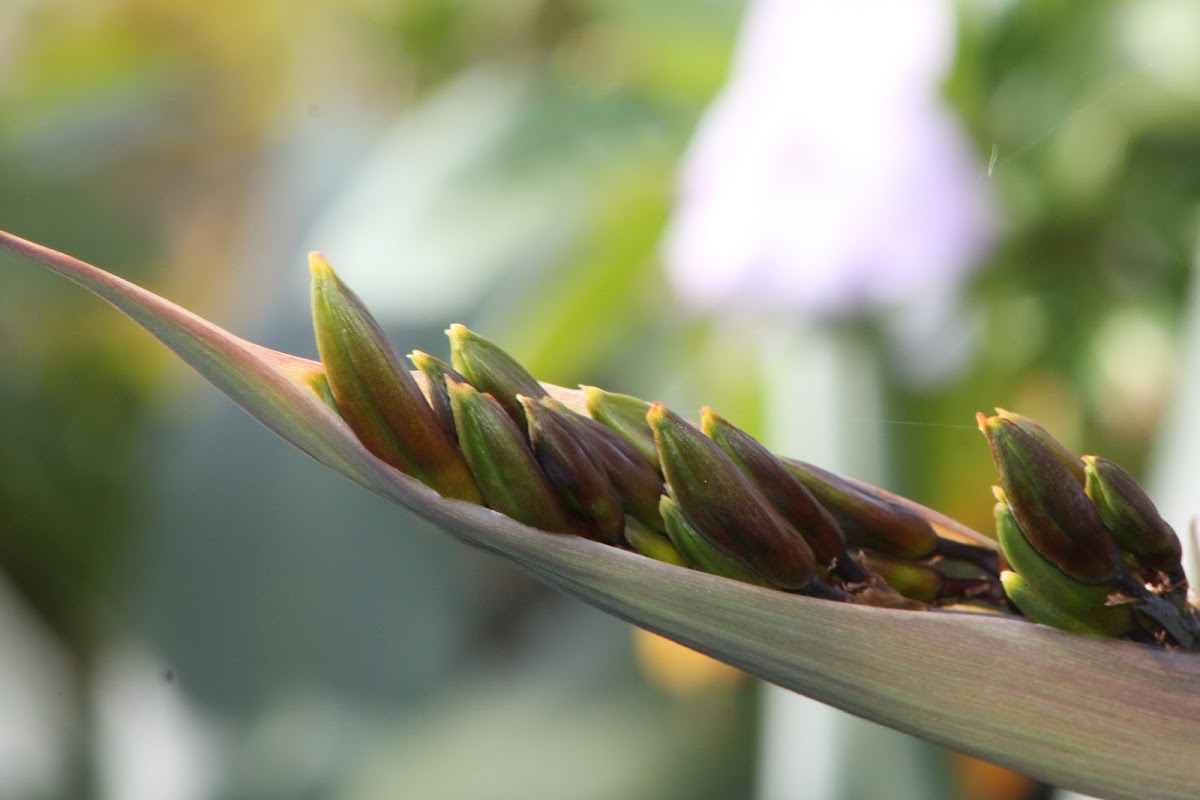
point(785, 491)
point(912, 579)
point(724, 508)
point(699, 552)
point(493, 371)
point(1037, 608)
point(503, 465)
point(1131, 516)
point(572, 470)
point(626, 415)
point(436, 372)
point(651, 543)
point(1059, 451)
point(1049, 504)
point(1076, 598)
point(867, 519)
point(375, 393)
point(637, 481)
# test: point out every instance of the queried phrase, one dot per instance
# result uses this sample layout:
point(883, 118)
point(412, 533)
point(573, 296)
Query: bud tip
point(458, 332)
point(984, 422)
point(319, 266)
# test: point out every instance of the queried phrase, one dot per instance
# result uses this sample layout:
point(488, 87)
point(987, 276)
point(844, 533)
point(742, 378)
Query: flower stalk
point(935, 675)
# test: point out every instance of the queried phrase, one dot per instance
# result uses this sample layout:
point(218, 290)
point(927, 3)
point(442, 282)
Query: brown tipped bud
point(726, 509)
point(1086, 600)
point(1049, 504)
point(626, 415)
point(579, 478)
point(866, 519)
point(1068, 459)
point(699, 552)
point(785, 491)
point(1131, 516)
point(637, 481)
point(436, 372)
point(493, 371)
point(375, 393)
point(503, 465)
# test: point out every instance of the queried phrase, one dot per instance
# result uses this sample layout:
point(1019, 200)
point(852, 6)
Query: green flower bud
point(624, 414)
point(724, 508)
point(935, 583)
point(1132, 517)
point(699, 552)
point(503, 465)
point(490, 369)
point(912, 579)
point(1049, 504)
point(375, 393)
point(1087, 601)
point(867, 519)
point(1038, 609)
point(651, 543)
point(785, 491)
point(579, 478)
point(436, 372)
point(1056, 448)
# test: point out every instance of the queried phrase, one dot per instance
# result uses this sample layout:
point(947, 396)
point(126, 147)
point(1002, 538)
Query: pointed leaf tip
point(283, 392)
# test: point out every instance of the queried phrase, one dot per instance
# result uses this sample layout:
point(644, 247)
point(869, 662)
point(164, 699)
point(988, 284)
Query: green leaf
point(1105, 717)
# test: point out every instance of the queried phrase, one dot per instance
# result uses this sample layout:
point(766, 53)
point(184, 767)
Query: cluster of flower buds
point(631, 474)
point(1085, 547)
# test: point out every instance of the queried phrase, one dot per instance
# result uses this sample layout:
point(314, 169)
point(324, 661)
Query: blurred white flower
point(829, 177)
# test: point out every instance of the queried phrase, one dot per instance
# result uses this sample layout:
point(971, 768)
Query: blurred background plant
point(189, 609)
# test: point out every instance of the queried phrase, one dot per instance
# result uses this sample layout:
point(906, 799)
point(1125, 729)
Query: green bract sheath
point(785, 491)
point(726, 509)
point(375, 393)
point(573, 471)
point(624, 414)
point(1049, 504)
point(503, 465)
point(491, 370)
point(1131, 516)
